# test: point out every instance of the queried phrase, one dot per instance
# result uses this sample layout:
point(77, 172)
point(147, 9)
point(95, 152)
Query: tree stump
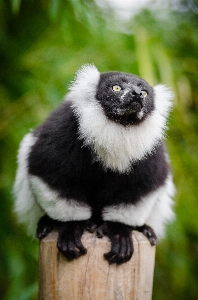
point(91, 277)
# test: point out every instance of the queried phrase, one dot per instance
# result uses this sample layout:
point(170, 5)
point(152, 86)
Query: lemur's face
point(125, 98)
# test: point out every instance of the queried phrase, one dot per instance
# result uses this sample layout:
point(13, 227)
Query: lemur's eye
point(116, 88)
point(144, 93)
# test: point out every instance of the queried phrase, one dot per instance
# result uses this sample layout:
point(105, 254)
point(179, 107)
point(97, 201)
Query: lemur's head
point(124, 98)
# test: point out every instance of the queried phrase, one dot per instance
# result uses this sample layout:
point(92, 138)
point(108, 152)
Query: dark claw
point(45, 225)
point(149, 233)
point(79, 245)
point(121, 241)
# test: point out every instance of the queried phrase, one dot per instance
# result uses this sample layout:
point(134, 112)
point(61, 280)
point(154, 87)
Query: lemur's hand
point(121, 241)
point(45, 225)
point(148, 232)
point(69, 238)
point(69, 234)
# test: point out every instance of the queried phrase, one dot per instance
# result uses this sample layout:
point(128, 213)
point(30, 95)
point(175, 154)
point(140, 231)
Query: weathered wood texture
point(91, 277)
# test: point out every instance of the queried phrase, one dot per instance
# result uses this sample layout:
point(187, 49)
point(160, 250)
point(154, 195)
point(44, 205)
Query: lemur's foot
point(69, 238)
point(121, 241)
point(69, 234)
point(45, 225)
point(148, 232)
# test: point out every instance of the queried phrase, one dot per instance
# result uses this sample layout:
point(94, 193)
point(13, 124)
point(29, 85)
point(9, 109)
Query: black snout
point(137, 96)
point(134, 100)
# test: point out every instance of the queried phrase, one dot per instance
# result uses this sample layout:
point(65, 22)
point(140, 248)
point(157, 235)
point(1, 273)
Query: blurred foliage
point(42, 44)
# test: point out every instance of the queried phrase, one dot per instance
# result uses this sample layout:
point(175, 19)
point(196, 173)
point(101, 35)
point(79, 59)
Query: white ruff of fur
point(155, 210)
point(116, 146)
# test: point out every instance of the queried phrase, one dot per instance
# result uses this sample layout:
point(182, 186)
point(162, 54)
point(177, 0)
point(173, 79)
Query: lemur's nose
point(134, 95)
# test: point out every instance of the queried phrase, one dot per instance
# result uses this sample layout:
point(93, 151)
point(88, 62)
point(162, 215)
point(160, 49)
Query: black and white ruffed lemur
point(98, 162)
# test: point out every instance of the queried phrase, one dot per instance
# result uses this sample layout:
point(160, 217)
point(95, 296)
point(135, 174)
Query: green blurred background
point(42, 44)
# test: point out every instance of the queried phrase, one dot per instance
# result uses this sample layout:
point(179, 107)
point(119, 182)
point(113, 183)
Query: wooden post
point(90, 277)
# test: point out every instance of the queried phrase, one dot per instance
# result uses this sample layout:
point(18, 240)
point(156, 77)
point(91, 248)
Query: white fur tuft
point(26, 208)
point(155, 209)
point(56, 207)
point(86, 79)
point(163, 99)
point(162, 212)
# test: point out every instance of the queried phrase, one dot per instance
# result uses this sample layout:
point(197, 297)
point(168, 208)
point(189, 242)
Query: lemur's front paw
point(121, 241)
point(45, 225)
point(149, 233)
point(69, 238)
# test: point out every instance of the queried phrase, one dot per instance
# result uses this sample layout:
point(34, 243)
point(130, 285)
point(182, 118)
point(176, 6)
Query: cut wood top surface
point(91, 277)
